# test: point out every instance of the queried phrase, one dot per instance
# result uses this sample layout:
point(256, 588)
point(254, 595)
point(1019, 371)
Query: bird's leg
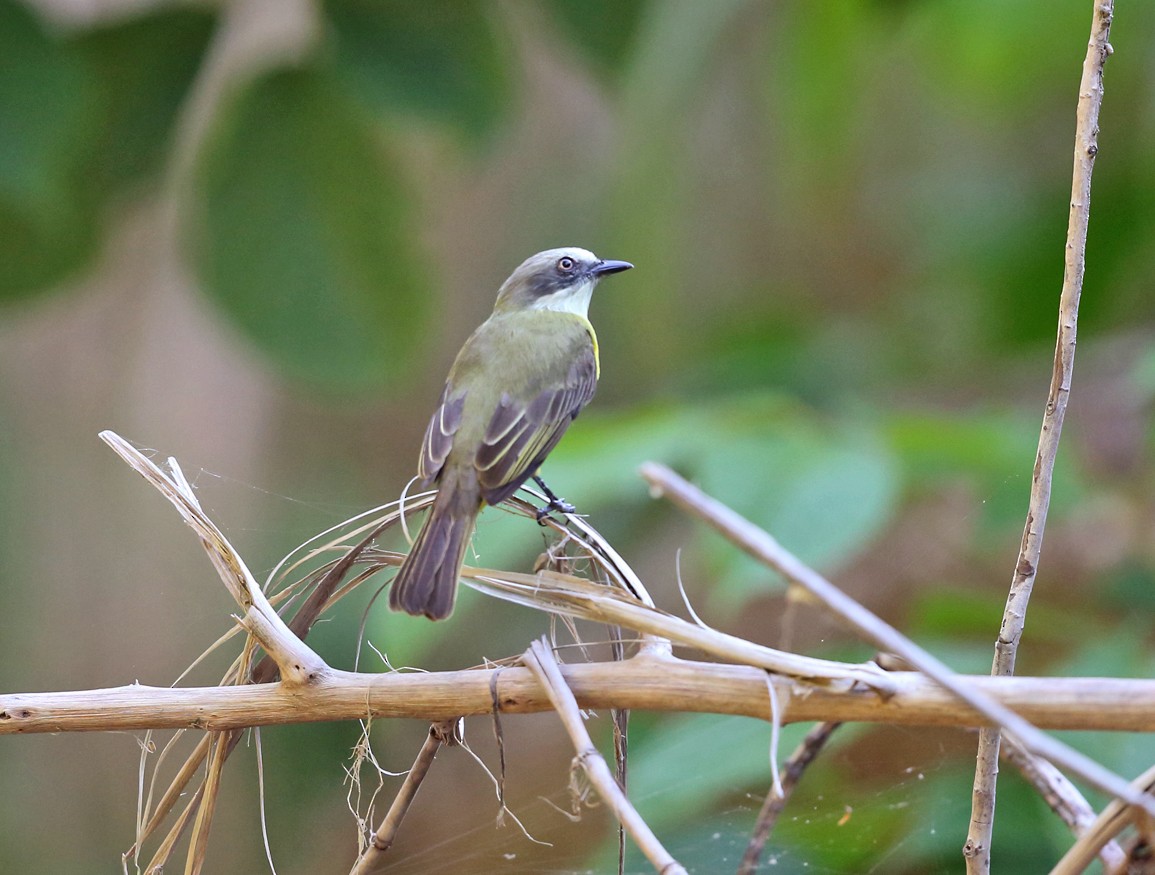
point(555, 503)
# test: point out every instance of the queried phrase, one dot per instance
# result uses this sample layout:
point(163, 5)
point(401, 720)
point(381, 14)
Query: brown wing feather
point(439, 436)
point(519, 437)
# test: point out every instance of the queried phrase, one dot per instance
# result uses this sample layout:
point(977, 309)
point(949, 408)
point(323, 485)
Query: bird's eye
point(565, 263)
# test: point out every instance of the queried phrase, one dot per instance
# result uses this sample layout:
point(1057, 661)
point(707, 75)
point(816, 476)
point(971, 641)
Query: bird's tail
point(427, 581)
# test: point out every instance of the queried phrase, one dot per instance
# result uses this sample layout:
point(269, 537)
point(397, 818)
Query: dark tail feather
point(427, 581)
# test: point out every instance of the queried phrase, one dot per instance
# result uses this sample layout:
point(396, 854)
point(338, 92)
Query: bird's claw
point(554, 503)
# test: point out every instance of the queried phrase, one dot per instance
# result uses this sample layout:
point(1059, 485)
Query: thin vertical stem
point(978, 843)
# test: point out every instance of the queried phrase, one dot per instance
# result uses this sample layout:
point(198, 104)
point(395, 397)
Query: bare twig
point(441, 733)
point(309, 690)
point(616, 569)
point(763, 547)
point(1063, 797)
point(1112, 820)
point(574, 596)
point(172, 796)
point(977, 847)
point(540, 660)
point(297, 662)
point(775, 802)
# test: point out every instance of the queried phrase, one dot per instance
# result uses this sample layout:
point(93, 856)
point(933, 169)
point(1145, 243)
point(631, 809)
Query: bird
point(516, 385)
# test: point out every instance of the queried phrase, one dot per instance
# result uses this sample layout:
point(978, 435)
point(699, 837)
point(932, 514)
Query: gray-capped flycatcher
point(517, 384)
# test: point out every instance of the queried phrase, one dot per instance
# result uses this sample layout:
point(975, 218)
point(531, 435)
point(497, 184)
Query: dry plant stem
point(221, 748)
point(653, 644)
point(439, 734)
point(627, 578)
point(297, 662)
point(168, 844)
point(1112, 820)
point(763, 547)
point(640, 684)
point(1063, 797)
point(772, 808)
point(978, 842)
point(172, 795)
point(198, 846)
point(540, 660)
point(287, 654)
point(304, 619)
point(565, 594)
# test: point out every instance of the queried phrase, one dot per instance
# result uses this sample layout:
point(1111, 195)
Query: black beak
point(604, 267)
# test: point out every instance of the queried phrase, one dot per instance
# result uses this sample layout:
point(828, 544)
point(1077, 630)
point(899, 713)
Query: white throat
point(574, 300)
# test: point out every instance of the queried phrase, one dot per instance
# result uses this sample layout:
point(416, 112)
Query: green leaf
point(50, 119)
point(440, 60)
point(306, 237)
point(824, 489)
point(821, 488)
point(822, 492)
point(145, 67)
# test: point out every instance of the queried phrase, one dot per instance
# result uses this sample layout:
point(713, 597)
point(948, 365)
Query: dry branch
point(1112, 820)
point(1062, 796)
point(297, 662)
point(764, 548)
point(641, 683)
point(806, 689)
point(442, 733)
point(775, 802)
point(977, 847)
point(545, 668)
point(575, 597)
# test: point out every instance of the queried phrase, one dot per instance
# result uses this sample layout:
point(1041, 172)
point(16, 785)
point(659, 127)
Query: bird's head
point(557, 279)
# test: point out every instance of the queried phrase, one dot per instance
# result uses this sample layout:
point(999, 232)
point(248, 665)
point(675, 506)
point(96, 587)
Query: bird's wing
point(520, 436)
point(439, 436)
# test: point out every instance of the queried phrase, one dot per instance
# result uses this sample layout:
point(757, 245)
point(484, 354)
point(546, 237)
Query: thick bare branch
point(640, 683)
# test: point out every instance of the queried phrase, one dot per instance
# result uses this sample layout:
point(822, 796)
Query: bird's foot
point(555, 503)
point(558, 504)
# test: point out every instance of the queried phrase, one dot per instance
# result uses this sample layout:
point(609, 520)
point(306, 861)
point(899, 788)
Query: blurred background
point(252, 235)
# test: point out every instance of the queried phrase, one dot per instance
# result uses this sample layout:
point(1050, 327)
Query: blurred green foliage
point(847, 219)
point(85, 117)
point(297, 202)
point(443, 62)
point(47, 229)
